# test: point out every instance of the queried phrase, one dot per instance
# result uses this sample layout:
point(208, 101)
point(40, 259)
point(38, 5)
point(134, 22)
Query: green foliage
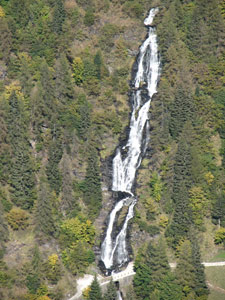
point(74, 230)
point(95, 290)
point(92, 184)
point(156, 186)
point(44, 220)
point(3, 230)
point(153, 276)
point(52, 170)
point(134, 8)
point(219, 236)
point(181, 221)
point(22, 173)
point(190, 271)
point(33, 283)
point(58, 16)
point(111, 293)
point(18, 218)
point(108, 32)
point(182, 110)
point(76, 237)
point(199, 204)
point(78, 70)
point(89, 18)
point(77, 257)
point(53, 269)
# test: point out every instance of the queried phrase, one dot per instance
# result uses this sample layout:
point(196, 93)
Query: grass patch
point(216, 275)
point(220, 256)
point(214, 295)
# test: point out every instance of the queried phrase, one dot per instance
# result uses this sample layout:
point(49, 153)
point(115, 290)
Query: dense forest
point(65, 69)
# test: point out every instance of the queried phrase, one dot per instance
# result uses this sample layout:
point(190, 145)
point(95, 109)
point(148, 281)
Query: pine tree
point(92, 191)
point(49, 108)
point(22, 178)
point(182, 182)
point(95, 290)
point(98, 64)
point(181, 111)
point(64, 91)
point(68, 200)
point(185, 270)
point(52, 169)
point(44, 211)
point(58, 16)
point(3, 230)
point(5, 148)
point(111, 293)
point(153, 274)
point(200, 288)
point(84, 118)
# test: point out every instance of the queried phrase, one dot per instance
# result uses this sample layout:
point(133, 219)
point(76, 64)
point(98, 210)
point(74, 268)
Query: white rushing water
point(114, 250)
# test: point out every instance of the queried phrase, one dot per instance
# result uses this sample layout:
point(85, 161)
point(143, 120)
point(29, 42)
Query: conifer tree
point(49, 108)
point(92, 191)
point(98, 64)
point(68, 201)
point(44, 211)
point(95, 290)
point(22, 178)
point(3, 230)
point(52, 169)
point(111, 293)
point(153, 278)
point(182, 110)
point(5, 148)
point(185, 271)
point(84, 118)
point(200, 288)
point(63, 81)
point(182, 181)
point(58, 16)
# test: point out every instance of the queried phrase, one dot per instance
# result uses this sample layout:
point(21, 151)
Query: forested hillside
point(65, 69)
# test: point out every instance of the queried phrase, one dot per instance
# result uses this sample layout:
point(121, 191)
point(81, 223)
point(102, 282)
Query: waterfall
point(128, 158)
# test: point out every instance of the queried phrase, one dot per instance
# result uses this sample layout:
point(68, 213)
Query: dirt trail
point(216, 288)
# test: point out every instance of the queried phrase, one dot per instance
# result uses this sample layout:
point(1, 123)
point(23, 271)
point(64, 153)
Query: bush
point(18, 218)
point(89, 18)
point(220, 236)
point(108, 32)
point(133, 9)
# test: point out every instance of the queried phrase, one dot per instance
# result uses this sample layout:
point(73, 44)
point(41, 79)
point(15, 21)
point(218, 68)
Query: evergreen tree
point(98, 64)
point(58, 16)
point(200, 288)
point(44, 211)
point(182, 182)
point(22, 178)
point(68, 200)
point(5, 148)
point(111, 293)
point(84, 118)
point(185, 271)
point(92, 190)
point(95, 290)
point(64, 91)
point(153, 278)
point(181, 110)
point(3, 230)
point(49, 108)
point(52, 169)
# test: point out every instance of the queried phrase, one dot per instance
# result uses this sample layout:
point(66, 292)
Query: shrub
point(18, 218)
point(133, 9)
point(220, 236)
point(89, 17)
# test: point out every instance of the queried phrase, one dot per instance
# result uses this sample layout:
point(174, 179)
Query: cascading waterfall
point(128, 159)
